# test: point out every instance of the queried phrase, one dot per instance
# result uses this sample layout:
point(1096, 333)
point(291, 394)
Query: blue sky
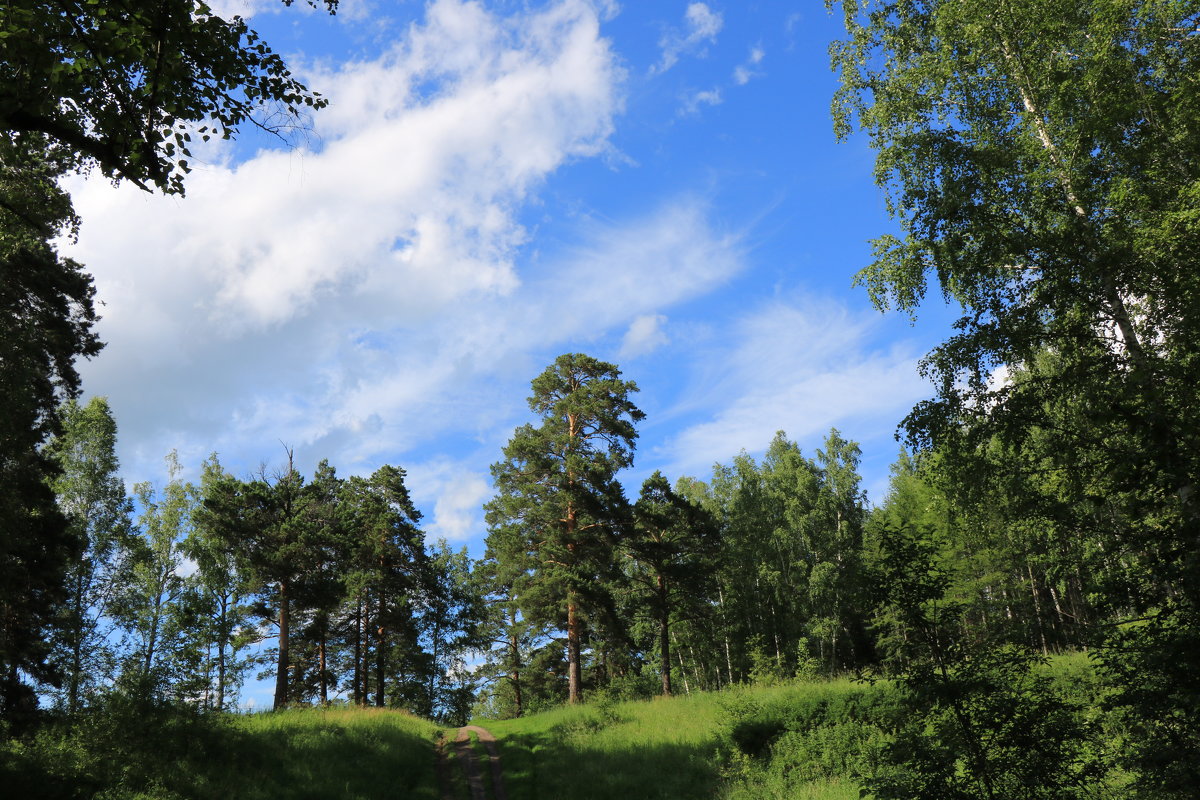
point(655, 184)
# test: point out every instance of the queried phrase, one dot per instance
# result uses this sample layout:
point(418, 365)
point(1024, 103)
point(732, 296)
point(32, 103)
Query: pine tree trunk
point(380, 655)
point(664, 628)
point(281, 668)
point(324, 666)
point(359, 682)
point(574, 669)
point(515, 674)
point(437, 633)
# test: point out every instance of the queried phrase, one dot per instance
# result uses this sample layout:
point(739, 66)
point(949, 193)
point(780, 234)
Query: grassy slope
point(796, 740)
point(314, 753)
point(799, 741)
point(669, 748)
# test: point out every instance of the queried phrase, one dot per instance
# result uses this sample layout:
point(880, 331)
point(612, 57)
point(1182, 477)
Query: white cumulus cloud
point(294, 294)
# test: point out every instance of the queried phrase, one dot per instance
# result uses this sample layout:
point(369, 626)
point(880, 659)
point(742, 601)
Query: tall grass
point(323, 753)
point(169, 753)
point(801, 741)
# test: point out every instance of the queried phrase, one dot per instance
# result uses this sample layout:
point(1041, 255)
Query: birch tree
point(156, 582)
point(1042, 160)
point(91, 494)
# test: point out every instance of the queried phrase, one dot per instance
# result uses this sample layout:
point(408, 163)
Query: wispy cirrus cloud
point(799, 365)
point(700, 27)
point(694, 101)
point(744, 72)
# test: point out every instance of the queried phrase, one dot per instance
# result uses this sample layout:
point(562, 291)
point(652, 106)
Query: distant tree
point(385, 578)
point(765, 513)
point(557, 485)
point(507, 637)
point(450, 629)
point(672, 545)
point(835, 582)
point(262, 523)
point(222, 583)
point(322, 586)
point(92, 495)
point(155, 583)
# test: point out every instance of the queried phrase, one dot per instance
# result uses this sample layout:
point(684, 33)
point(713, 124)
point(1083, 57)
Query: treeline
point(755, 574)
point(326, 582)
point(768, 570)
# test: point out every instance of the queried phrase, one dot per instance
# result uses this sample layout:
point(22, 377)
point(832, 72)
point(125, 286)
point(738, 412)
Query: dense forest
point(1042, 163)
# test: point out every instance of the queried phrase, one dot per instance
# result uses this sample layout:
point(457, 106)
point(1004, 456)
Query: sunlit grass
point(667, 747)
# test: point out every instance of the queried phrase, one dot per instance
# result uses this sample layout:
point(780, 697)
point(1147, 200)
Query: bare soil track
point(465, 756)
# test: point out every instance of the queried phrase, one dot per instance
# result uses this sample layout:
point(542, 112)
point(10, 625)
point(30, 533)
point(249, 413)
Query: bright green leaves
point(1041, 160)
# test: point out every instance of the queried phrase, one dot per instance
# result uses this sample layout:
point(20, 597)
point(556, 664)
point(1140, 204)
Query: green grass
point(800, 740)
point(346, 753)
point(144, 753)
point(681, 747)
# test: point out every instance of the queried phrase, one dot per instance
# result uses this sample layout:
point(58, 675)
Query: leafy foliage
point(1042, 161)
point(91, 494)
point(124, 85)
point(46, 319)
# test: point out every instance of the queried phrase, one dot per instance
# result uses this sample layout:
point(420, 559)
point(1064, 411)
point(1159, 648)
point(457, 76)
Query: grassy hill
point(798, 740)
point(735, 744)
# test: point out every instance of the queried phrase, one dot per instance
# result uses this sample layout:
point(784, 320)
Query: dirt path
point(465, 755)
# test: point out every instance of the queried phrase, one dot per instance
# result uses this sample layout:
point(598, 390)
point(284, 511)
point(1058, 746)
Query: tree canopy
point(126, 85)
point(1043, 162)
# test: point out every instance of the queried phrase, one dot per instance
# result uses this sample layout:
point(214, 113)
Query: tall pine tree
point(557, 485)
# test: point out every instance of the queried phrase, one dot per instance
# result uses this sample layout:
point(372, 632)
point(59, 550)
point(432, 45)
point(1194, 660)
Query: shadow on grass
point(342, 757)
point(174, 754)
